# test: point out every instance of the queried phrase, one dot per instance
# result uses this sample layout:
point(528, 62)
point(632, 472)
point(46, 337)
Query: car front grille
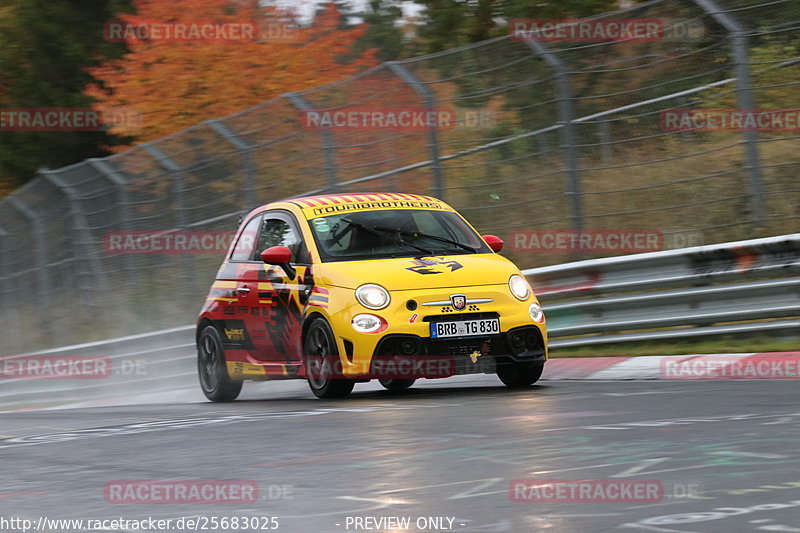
point(460, 316)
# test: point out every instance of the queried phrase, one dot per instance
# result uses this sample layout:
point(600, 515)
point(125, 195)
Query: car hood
point(409, 273)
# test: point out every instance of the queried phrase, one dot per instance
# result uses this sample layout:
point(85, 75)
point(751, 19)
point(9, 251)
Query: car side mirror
point(494, 242)
point(279, 256)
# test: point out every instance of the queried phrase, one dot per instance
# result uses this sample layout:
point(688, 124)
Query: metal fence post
point(12, 317)
point(178, 175)
point(246, 151)
point(83, 237)
point(741, 59)
point(124, 213)
point(328, 146)
point(566, 115)
point(44, 292)
point(433, 133)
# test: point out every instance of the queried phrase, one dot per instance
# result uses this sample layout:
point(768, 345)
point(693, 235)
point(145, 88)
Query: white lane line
point(382, 501)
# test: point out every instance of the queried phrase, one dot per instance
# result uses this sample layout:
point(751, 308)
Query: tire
point(397, 384)
point(211, 368)
point(518, 375)
point(321, 354)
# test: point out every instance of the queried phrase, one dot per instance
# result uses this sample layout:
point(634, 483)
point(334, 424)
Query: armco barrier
point(738, 287)
point(152, 362)
point(730, 288)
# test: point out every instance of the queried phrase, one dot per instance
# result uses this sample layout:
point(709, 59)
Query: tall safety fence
point(565, 145)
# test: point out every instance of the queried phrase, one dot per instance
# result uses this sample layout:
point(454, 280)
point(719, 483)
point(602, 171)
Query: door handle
point(243, 290)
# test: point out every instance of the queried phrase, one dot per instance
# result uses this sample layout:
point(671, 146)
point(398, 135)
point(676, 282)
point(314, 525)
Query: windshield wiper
point(337, 235)
point(377, 231)
point(416, 234)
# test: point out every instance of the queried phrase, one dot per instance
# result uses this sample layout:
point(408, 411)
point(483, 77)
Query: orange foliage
point(174, 84)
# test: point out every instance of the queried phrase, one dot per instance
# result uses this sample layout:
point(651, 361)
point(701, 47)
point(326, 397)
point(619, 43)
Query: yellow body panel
point(481, 276)
point(399, 319)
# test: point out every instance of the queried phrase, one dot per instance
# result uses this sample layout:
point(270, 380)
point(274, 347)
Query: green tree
point(45, 47)
point(452, 23)
point(383, 32)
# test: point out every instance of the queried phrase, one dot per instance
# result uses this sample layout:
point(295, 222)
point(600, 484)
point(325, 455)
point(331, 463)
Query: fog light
point(531, 341)
point(537, 315)
point(368, 323)
point(517, 341)
point(408, 347)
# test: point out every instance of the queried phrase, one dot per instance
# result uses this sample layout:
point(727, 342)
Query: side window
point(243, 250)
point(276, 231)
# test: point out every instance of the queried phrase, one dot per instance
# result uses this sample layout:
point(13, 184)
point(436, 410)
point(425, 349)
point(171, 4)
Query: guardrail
point(154, 362)
point(730, 288)
point(737, 287)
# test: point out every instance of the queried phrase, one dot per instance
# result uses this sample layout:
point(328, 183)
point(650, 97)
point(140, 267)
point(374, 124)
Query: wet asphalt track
point(727, 453)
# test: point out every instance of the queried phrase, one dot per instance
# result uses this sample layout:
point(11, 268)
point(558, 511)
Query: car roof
point(312, 206)
point(354, 198)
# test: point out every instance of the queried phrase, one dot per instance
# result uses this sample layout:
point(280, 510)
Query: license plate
point(465, 328)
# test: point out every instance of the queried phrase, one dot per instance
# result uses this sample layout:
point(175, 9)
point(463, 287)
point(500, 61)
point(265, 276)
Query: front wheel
point(322, 362)
point(212, 370)
point(396, 385)
point(518, 375)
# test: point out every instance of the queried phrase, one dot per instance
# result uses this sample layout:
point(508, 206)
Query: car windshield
point(394, 233)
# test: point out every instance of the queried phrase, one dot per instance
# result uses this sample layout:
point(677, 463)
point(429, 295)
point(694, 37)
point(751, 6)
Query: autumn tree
point(174, 84)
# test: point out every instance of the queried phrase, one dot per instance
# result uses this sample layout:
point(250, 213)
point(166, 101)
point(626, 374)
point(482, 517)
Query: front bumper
point(407, 339)
point(411, 357)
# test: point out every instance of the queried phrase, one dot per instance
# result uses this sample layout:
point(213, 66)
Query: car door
point(233, 282)
point(276, 328)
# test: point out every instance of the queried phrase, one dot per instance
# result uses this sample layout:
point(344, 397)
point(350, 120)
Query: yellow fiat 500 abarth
point(345, 288)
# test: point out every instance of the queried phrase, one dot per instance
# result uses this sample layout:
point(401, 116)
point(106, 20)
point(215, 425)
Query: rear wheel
point(212, 370)
point(397, 384)
point(322, 362)
point(518, 375)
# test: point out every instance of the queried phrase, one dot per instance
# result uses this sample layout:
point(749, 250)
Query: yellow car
point(345, 288)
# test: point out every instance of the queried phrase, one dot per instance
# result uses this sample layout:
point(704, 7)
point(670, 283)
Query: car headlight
point(365, 323)
point(536, 312)
point(373, 296)
point(519, 287)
